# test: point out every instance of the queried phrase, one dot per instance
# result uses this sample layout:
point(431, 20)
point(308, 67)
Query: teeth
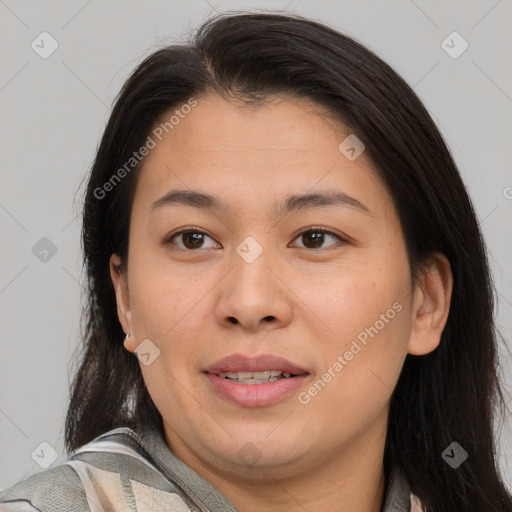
point(255, 377)
point(261, 375)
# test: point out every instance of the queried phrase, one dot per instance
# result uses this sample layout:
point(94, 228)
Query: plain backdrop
point(53, 112)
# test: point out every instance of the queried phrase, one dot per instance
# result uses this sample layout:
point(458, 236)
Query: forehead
point(251, 154)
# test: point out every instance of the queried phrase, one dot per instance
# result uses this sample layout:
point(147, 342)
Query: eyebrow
point(291, 203)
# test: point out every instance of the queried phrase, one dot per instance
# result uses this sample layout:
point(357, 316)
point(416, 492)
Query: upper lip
point(259, 363)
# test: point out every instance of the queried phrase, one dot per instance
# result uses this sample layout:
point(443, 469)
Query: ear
point(431, 305)
point(119, 280)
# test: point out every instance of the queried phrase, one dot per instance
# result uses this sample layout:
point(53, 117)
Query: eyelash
point(312, 229)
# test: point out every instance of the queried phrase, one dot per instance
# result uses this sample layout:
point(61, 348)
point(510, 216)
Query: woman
point(275, 226)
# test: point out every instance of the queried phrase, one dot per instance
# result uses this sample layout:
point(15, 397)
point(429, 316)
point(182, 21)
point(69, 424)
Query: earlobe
point(129, 343)
point(122, 299)
point(431, 305)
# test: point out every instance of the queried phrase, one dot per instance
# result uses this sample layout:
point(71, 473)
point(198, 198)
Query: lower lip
point(255, 395)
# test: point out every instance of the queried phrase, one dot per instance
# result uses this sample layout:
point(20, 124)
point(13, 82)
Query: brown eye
point(314, 238)
point(190, 239)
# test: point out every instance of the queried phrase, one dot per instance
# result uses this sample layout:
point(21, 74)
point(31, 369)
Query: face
point(325, 286)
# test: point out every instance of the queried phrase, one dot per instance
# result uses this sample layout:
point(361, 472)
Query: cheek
point(165, 309)
point(359, 374)
point(356, 300)
point(369, 318)
point(162, 298)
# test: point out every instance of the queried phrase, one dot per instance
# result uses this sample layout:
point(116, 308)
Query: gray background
point(54, 111)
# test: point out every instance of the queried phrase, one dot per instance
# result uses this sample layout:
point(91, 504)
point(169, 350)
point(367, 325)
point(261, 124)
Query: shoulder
point(112, 472)
point(56, 489)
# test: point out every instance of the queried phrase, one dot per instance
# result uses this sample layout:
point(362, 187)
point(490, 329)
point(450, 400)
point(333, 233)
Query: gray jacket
point(122, 470)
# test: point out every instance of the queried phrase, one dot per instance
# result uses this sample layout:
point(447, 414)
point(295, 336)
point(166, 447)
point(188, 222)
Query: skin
point(303, 301)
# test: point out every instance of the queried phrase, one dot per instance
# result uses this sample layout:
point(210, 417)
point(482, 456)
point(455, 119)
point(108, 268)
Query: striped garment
point(122, 470)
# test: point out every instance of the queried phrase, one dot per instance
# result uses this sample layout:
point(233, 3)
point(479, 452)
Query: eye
point(192, 239)
point(315, 237)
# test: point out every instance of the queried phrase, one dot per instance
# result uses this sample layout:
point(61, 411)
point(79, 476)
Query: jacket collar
point(397, 497)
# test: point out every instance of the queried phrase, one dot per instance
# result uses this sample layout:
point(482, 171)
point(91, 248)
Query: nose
point(254, 294)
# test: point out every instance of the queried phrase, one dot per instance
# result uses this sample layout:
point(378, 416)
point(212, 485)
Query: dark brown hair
point(448, 395)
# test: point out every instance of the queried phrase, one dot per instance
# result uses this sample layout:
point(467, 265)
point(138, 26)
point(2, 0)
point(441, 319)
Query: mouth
point(255, 381)
point(264, 377)
point(260, 369)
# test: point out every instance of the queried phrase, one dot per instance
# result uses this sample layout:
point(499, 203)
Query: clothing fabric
point(123, 470)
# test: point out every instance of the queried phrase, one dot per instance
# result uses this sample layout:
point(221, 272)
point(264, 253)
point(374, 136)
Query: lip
point(254, 395)
point(259, 363)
